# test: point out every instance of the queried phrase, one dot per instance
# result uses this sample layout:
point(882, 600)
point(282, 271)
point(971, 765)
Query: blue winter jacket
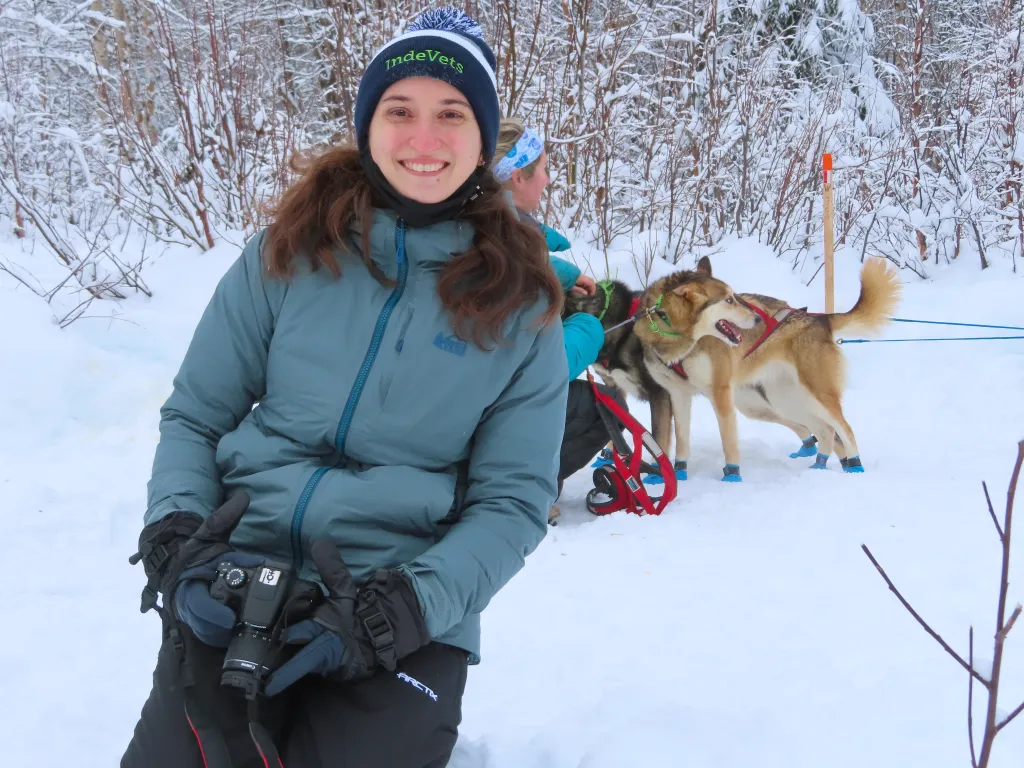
point(350, 410)
point(557, 242)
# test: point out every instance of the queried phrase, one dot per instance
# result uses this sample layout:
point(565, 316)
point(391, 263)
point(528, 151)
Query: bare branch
point(1006, 721)
point(992, 726)
point(922, 622)
point(1009, 623)
point(1002, 626)
point(1012, 490)
point(991, 511)
point(970, 698)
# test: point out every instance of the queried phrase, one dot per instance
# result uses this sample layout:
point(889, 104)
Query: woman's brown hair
point(506, 268)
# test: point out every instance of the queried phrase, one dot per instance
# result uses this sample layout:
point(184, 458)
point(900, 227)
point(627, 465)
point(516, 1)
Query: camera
point(257, 595)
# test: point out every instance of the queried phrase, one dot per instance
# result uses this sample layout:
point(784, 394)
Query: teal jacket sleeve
point(221, 377)
point(556, 240)
point(513, 481)
point(567, 272)
point(584, 337)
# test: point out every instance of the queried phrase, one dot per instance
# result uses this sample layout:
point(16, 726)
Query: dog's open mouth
point(730, 332)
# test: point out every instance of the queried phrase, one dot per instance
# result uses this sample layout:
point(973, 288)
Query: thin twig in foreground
point(970, 698)
point(921, 621)
point(992, 512)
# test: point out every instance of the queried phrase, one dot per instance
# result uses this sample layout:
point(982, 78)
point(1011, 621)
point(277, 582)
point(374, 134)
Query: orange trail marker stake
point(829, 210)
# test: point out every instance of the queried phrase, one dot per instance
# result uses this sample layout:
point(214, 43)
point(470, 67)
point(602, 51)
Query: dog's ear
point(704, 266)
point(689, 291)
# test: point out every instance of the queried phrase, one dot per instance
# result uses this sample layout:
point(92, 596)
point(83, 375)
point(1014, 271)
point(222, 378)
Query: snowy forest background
point(128, 124)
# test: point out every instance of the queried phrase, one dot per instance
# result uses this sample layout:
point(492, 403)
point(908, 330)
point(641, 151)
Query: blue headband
point(526, 150)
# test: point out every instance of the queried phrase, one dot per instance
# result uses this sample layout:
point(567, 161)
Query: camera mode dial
point(233, 576)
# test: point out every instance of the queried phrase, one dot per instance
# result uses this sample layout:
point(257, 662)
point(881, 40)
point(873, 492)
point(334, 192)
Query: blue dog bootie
point(821, 461)
point(680, 472)
point(604, 458)
point(731, 474)
point(852, 464)
point(806, 449)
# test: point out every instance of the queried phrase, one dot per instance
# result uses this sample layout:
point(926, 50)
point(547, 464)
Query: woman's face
point(526, 193)
point(425, 138)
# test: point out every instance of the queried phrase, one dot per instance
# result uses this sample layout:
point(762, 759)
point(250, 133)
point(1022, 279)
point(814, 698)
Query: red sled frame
point(623, 483)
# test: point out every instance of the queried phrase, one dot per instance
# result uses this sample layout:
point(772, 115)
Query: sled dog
point(746, 352)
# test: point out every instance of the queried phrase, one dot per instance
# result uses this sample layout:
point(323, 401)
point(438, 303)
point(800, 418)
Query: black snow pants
point(585, 432)
point(405, 719)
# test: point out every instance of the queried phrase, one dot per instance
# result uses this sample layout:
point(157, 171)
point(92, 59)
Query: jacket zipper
point(353, 395)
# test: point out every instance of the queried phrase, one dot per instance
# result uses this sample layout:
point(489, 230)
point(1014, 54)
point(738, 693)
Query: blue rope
point(965, 325)
point(956, 338)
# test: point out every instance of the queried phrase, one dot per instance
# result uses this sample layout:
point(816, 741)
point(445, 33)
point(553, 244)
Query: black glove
point(182, 540)
point(352, 633)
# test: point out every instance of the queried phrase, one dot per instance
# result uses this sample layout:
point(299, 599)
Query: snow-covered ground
point(743, 627)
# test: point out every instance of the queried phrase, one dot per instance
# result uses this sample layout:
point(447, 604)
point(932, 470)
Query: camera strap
point(205, 727)
point(212, 746)
point(261, 738)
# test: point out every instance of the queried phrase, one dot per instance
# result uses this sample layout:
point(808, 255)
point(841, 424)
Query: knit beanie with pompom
point(443, 43)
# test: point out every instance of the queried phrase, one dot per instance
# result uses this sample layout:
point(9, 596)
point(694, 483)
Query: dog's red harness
point(634, 306)
point(770, 324)
point(622, 484)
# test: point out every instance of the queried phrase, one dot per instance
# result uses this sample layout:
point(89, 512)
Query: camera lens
point(246, 661)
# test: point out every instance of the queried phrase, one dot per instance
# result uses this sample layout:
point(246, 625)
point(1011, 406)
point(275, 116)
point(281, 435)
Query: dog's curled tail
point(880, 292)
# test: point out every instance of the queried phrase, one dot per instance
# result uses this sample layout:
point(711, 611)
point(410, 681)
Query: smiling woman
point(425, 139)
point(425, 133)
point(366, 427)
